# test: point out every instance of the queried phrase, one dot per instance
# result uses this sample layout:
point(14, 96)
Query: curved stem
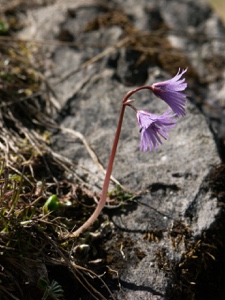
point(130, 93)
point(103, 197)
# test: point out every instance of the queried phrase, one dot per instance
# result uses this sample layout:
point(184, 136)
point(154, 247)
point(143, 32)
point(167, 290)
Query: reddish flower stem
point(103, 197)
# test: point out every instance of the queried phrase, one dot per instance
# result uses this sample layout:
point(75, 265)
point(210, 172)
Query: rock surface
point(91, 76)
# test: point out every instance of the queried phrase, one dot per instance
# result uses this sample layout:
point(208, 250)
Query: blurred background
point(219, 6)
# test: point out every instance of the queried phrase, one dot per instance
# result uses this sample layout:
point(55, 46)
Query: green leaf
point(52, 203)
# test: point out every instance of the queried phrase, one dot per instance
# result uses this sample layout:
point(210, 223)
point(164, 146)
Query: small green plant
point(52, 290)
point(120, 195)
point(4, 27)
point(52, 203)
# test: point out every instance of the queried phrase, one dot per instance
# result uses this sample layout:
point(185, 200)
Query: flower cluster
point(154, 127)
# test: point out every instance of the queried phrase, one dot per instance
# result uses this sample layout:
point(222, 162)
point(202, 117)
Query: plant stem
point(103, 197)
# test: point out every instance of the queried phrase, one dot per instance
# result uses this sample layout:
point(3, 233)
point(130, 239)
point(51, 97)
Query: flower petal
point(154, 128)
point(170, 92)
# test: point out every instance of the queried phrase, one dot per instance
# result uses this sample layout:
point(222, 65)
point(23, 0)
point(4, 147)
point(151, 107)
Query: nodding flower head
point(171, 92)
point(154, 127)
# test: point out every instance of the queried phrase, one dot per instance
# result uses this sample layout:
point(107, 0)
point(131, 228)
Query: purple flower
point(153, 127)
point(170, 92)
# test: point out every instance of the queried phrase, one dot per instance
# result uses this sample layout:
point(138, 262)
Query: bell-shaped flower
point(171, 92)
point(154, 127)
